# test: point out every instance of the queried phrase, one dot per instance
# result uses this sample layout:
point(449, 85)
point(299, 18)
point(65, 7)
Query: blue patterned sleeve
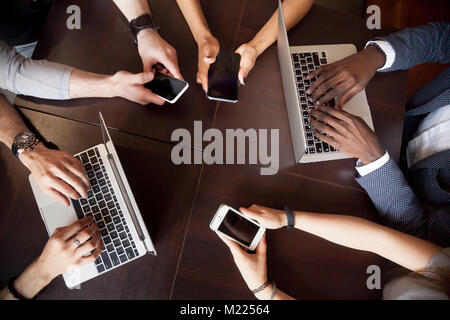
point(414, 46)
point(399, 207)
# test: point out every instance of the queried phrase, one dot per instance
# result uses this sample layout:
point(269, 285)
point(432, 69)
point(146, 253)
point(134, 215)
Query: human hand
point(345, 78)
point(267, 217)
point(253, 267)
point(153, 49)
point(208, 48)
point(348, 133)
point(61, 254)
point(131, 86)
point(248, 59)
point(58, 174)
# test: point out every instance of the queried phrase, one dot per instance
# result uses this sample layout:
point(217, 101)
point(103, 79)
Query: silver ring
point(76, 242)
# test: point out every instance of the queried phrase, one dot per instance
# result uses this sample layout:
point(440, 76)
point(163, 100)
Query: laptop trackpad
point(58, 215)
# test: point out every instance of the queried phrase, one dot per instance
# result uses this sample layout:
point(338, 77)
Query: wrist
point(149, 32)
point(29, 156)
point(33, 280)
point(375, 56)
point(373, 156)
point(265, 294)
point(259, 45)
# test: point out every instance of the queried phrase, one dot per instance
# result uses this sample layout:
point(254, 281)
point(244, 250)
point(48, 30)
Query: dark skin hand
point(347, 133)
point(344, 79)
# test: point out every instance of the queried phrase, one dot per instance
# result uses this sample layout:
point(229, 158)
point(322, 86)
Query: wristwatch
point(25, 141)
point(143, 22)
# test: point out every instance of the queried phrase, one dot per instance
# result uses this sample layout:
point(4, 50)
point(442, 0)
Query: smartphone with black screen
point(167, 87)
point(237, 227)
point(223, 77)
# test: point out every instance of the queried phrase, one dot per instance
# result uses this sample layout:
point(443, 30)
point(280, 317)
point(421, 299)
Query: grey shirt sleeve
point(37, 78)
point(410, 287)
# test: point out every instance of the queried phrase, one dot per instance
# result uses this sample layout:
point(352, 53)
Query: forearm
point(192, 12)
point(86, 84)
point(356, 233)
point(11, 123)
point(132, 9)
point(294, 11)
point(29, 283)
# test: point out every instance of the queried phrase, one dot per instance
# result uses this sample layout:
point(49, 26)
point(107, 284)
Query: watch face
point(25, 140)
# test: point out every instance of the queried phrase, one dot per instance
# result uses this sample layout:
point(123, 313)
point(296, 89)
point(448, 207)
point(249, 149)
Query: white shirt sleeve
point(370, 167)
point(388, 51)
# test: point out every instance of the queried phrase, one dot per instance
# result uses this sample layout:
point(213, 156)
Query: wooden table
point(178, 202)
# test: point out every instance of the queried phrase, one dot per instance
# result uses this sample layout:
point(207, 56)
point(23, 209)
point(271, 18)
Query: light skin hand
point(249, 54)
point(344, 79)
point(267, 217)
point(348, 133)
point(58, 174)
point(60, 255)
point(208, 48)
point(253, 267)
point(153, 49)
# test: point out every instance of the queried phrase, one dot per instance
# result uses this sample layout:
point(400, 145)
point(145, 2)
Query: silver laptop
point(295, 64)
point(111, 203)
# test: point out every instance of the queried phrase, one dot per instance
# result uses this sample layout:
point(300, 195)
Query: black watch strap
point(146, 21)
point(290, 217)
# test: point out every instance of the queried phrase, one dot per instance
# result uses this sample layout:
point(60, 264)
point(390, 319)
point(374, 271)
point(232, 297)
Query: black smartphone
point(223, 77)
point(167, 87)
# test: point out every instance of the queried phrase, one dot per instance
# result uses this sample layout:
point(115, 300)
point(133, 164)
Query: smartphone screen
point(223, 77)
point(238, 228)
point(165, 86)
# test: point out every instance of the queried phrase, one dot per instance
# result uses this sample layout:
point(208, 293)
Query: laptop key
point(101, 224)
point(116, 220)
point(100, 268)
point(106, 260)
point(120, 250)
point(84, 158)
point(113, 212)
point(119, 227)
point(90, 174)
point(295, 57)
point(316, 59)
point(95, 209)
point(110, 205)
point(116, 242)
point(105, 190)
point(104, 232)
point(114, 258)
point(312, 150)
point(99, 174)
point(98, 260)
point(126, 243)
point(94, 160)
point(96, 189)
point(123, 258)
point(111, 227)
point(101, 204)
point(326, 147)
point(130, 253)
point(319, 147)
point(113, 234)
point(123, 235)
point(108, 219)
point(86, 209)
point(92, 202)
point(110, 247)
point(97, 167)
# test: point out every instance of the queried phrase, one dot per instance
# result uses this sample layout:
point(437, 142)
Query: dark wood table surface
point(178, 202)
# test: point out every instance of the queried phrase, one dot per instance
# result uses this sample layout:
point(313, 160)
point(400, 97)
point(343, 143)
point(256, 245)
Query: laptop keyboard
point(305, 63)
point(102, 204)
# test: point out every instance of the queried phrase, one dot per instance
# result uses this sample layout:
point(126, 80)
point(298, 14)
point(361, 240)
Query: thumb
point(209, 60)
point(143, 77)
point(261, 249)
point(241, 76)
point(251, 214)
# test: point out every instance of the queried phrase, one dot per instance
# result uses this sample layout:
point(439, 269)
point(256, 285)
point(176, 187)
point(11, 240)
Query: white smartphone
point(166, 87)
point(237, 227)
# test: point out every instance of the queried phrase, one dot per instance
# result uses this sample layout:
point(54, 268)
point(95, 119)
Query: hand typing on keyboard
point(69, 247)
point(347, 133)
point(345, 78)
point(58, 174)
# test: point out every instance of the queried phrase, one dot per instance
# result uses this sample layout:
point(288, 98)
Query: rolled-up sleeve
point(37, 78)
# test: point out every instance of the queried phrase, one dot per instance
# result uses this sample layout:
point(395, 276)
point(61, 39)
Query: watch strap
point(290, 217)
point(12, 290)
point(145, 21)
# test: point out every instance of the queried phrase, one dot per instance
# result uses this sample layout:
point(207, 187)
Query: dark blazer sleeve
point(399, 207)
point(414, 46)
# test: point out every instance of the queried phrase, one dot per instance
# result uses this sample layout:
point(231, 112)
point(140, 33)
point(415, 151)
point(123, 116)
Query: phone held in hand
point(235, 226)
point(223, 77)
point(167, 87)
